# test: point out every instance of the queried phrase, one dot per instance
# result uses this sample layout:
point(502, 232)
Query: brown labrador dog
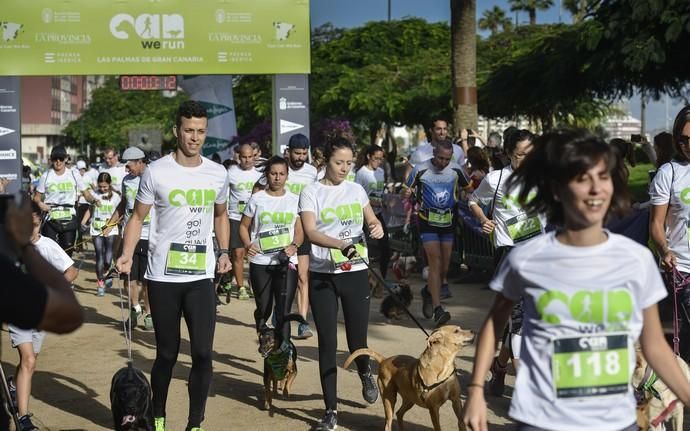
point(429, 381)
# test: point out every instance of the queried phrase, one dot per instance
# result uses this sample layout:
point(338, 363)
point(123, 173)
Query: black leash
point(390, 291)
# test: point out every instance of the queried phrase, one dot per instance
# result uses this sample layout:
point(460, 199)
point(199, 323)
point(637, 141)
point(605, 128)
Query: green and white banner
point(93, 37)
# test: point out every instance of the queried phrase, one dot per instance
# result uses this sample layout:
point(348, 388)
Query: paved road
point(71, 386)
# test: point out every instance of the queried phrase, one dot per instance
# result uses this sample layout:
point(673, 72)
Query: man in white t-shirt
point(241, 180)
point(113, 166)
point(189, 193)
point(301, 174)
point(425, 152)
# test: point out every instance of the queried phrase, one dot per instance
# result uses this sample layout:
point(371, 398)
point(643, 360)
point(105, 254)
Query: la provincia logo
point(156, 31)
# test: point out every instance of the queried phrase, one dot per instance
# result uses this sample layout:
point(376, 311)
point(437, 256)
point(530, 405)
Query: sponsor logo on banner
point(283, 30)
point(11, 30)
point(5, 131)
point(288, 126)
point(214, 109)
point(284, 104)
point(223, 16)
point(5, 109)
point(156, 31)
point(8, 154)
point(63, 38)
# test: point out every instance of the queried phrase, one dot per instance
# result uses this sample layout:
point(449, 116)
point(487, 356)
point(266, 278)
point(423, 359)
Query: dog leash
point(392, 293)
point(678, 282)
point(126, 324)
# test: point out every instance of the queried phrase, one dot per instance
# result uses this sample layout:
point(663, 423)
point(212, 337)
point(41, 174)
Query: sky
point(353, 13)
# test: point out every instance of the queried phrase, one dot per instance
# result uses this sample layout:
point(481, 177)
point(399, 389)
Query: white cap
point(133, 153)
point(81, 164)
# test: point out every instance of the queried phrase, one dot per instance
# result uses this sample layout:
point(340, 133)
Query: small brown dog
point(654, 396)
point(376, 289)
point(429, 381)
point(280, 361)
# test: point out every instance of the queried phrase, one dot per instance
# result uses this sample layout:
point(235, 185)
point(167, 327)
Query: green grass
point(638, 182)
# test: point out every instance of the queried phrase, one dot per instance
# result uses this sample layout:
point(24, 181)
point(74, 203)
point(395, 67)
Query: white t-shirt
point(339, 213)
point(373, 183)
point(678, 214)
point(130, 187)
point(273, 224)
point(101, 214)
point(60, 190)
point(117, 174)
point(298, 179)
point(88, 179)
point(180, 244)
point(513, 225)
point(425, 152)
point(582, 313)
point(53, 253)
point(241, 185)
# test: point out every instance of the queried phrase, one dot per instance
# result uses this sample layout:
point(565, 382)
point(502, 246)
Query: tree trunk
point(464, 63)
point(391, 148)
point(533, 16)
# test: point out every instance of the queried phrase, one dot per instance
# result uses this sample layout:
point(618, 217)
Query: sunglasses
point(58, 159)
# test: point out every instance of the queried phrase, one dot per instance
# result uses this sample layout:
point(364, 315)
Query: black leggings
point(384, 248)
point(195, 300)
point(104, 253)
point(353, 290)
point(64, 239)
point(269, 282)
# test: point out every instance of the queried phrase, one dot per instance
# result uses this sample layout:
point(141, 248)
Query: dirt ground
point(72, 382)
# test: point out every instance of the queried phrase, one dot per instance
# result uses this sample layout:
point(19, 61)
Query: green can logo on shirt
point(685, 196)
point(246, 186)
point(295, 188)
point(67, 187)
point(192, 198)
point(348, 214)
point(278, 217)
point(588, 306)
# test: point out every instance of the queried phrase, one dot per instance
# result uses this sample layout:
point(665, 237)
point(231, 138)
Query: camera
point(471, 140)
point(636, 138)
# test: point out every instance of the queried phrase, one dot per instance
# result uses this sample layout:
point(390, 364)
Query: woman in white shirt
point(588, 295)
point(271, 232)
point(333, 212)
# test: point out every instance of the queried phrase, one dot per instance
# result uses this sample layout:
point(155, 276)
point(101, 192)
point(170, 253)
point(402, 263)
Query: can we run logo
point(155, 31)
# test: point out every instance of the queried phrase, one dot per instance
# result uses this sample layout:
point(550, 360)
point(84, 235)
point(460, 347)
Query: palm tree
point(579, 9)
point(531, 7)
point(463, 30)
point(494, 18)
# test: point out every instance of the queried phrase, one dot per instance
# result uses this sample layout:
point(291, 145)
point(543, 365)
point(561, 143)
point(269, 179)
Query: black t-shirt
point(22, 298)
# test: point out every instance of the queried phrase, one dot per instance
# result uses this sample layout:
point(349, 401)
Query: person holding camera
point(56, 194)
point(39, 298)
point(271, 215)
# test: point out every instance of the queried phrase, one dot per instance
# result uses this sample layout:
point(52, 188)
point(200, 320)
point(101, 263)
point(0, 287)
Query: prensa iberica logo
point(156, 31)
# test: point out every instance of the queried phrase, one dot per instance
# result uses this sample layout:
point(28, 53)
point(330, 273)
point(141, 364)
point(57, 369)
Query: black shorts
point(235, 241)
point(140, 260)
point(305, 248)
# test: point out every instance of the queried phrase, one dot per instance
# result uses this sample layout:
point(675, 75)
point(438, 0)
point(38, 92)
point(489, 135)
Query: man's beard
point(297, 164)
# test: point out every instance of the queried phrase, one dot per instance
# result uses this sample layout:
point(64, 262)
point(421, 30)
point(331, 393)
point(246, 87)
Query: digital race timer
point(148, 82)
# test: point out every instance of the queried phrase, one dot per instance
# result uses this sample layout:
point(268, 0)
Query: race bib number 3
point(591, 366)
point(274, 239)
point(339, 259)
point(440, 218)
point(60, 214)
point(187, 259)
point(522, 227)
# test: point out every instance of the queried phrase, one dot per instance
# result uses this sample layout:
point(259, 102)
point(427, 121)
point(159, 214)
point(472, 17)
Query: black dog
point(130, 400)
point(399, 295)
point(280, 360)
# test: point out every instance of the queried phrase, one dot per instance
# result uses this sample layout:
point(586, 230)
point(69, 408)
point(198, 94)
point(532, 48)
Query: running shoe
point(497, 383)
point(427, 307)
point(100, 290)
point(370, 391)
point(303, 332)
point(243, 294)
point(441, 316)
point(25, 423)
point(159, 424)
point(445, 291)
point(148, 322)
point(109, 283)
point(329, 422)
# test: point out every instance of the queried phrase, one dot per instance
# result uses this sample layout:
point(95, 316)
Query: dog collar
point(647, 383)
point(428, 388)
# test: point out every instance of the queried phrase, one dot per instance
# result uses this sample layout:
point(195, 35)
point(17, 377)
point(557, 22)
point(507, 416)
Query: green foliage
point(638, 181)
point(111, 112)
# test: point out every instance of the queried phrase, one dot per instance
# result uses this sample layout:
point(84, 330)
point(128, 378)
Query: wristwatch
point(223, 251)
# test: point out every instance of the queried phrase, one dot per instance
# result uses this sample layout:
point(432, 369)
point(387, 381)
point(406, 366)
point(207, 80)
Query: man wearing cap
point(56, 194)
point(135, 162)
point(300, 174)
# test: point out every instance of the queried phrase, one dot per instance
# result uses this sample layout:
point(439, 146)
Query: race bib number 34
point(187, 259)
point(590, 366)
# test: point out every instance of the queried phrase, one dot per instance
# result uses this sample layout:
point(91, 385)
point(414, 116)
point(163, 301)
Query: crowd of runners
point(573, 297)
